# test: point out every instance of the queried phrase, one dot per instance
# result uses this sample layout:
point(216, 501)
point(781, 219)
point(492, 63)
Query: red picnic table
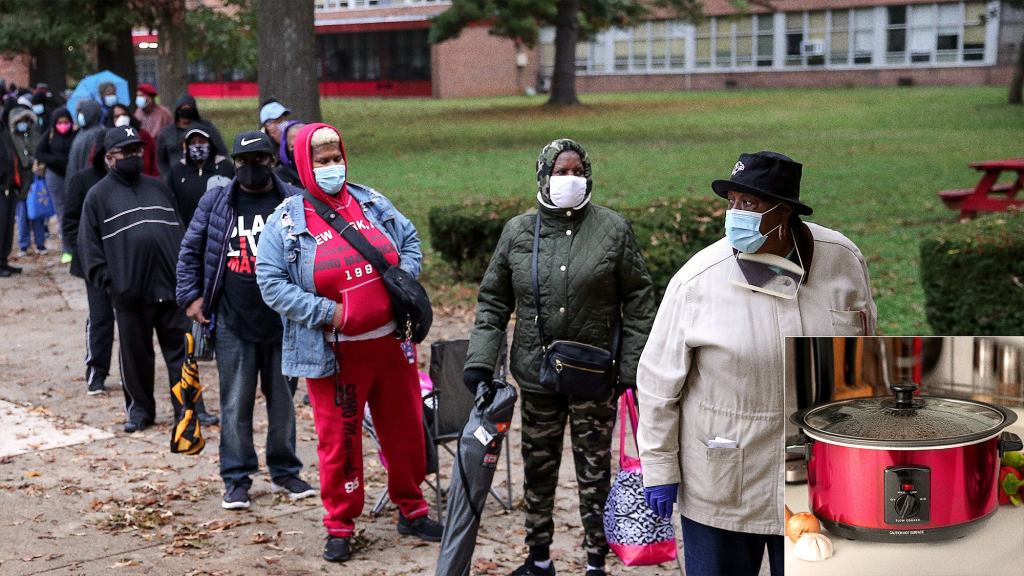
point(970, 201)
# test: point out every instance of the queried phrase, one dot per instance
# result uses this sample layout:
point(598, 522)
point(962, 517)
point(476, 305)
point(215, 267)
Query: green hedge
point(973, 276)
point(669, 232)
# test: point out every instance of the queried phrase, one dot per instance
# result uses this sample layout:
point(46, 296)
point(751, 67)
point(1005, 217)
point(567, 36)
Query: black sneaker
point(97, 386)
point(236, 498)
point(136, 425)
point(296, 487)
point(337, 549)
point(207, 419)
point(596, 572)
point(530, 569)
point(423, 528)
point(12, 269)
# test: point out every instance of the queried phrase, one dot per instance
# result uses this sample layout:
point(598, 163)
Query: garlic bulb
point(813, 547)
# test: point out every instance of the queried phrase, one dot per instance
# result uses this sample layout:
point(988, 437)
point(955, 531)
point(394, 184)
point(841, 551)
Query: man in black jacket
point(168, 142)
point(128, 241)
point(201, 168)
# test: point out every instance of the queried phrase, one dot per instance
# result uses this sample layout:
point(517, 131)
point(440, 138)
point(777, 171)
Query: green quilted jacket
point(589, 270)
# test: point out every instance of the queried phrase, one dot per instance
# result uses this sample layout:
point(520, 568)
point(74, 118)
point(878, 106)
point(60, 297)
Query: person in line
point(339, 334)
point(108, 97)
point(53, 151)
point(41, 99)
point(168, 142)
point(122, 117)
point(591, 279)
point(710, 380)
point(128, 240)
point(99, 325)
point(152, 116)
point(90, 137)
point(21, 123)
point(10, 186)
point(285, 168)
point(217, 287)
point(272, 115)
point(201, 167)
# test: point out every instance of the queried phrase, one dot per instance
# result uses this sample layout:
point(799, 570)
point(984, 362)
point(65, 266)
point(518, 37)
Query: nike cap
point(252, 141)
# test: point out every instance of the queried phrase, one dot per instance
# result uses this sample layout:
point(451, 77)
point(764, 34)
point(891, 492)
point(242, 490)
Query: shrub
point(669, 232)
point(465, 235)
point(973, 276)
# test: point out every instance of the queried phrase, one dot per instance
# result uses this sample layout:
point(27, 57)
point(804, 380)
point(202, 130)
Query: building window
point(794, 38)
point(975, 15)
point(896, 35)
point(621, 38)
point(703, 36)
point(390, 55)
point(765, 36)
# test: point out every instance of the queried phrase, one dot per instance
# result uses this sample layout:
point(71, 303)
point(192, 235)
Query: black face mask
point(253, 176)
point(129, 167)
point(188, 113)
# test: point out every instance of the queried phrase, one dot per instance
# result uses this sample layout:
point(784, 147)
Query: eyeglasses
point(127, 151)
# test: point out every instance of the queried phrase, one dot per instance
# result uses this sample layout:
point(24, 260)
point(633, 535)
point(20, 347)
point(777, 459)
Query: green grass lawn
point(873, 158)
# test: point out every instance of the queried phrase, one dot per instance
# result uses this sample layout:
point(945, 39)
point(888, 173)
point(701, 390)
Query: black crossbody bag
point(573, 368)
point(409, 300)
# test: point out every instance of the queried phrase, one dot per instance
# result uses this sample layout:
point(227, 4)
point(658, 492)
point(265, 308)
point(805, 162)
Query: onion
point(813, 547)
point(789, 514)
point(801, 523)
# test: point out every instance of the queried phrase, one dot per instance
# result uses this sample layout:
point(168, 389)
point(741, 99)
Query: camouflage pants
point(590, 430)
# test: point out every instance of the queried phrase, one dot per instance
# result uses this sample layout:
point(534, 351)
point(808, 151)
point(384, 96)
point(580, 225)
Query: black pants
point(710, 551)
point(99, 334)
point(8, 208)
point(135, 327)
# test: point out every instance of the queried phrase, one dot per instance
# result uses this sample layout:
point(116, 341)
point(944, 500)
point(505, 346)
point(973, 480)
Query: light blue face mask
point(21, 126)
point(141, 101)
point(110, 100)
point(38, 109)
point(81, 120)
point(743, 229)
point(330, 178)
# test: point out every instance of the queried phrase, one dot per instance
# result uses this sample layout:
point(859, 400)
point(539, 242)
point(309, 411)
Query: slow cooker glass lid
point(930, 419)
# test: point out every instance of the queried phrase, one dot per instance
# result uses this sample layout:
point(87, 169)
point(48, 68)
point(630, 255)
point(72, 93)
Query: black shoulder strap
point(533, 279)
point(348, 232)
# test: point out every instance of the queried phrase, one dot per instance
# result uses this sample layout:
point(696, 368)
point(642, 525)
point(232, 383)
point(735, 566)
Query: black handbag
point(409, 300)
point(575, 369)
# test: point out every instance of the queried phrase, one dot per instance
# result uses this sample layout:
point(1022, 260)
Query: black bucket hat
point(767, 174)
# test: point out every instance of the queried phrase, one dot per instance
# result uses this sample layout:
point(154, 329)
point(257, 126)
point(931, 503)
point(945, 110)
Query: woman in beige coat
point(710, 379)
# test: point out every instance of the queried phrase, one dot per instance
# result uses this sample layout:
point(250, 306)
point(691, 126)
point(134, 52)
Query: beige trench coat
point(713, 366)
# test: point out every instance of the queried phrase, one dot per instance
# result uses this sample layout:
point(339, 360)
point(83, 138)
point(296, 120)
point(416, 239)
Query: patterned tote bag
point(636, 535)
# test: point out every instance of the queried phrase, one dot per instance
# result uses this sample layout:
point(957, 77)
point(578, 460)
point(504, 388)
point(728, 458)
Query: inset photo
point(904, 456)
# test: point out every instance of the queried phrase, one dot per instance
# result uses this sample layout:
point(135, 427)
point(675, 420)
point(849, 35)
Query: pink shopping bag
point(635, 534)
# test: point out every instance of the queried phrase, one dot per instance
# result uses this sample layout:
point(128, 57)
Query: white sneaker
point(41, 251)
point(21, 254)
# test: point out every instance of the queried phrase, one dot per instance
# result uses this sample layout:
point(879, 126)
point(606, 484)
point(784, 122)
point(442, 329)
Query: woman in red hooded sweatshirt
point(339, 335)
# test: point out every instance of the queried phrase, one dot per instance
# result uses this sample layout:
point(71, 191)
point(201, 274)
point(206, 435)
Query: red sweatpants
point(374, 371)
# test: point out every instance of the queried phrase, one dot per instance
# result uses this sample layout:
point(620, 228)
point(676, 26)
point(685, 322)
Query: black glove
point(473, 376)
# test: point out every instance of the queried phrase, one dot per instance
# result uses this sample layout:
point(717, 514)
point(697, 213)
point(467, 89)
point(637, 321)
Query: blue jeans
point(36, 227)
point(239, 363)
point(710, 551)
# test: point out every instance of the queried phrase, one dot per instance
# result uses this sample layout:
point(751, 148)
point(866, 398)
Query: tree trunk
point(1017, 83)
point(288, 64)
point(118, 55)
point(50, 65)
point(563, 80)
point(173, 53)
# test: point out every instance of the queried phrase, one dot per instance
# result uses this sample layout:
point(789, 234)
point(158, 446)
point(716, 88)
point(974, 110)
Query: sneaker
point(97, 386)
point(12, 269)
point(337, 549)
point(236, 498)
point(207, 419)
point(423, 528)
point(41, 251)
point(66, 258)
point(596, 572)
point(136, 425)
point(21, 254)
point(530, 569)
point(296, 487)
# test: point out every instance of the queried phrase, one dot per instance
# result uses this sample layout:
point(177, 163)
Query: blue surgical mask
point(743, 229)
point(81, 120)
point(330, 179)
point(110, 100)
point(37, 109)
point(141, 101)
point(21, 126)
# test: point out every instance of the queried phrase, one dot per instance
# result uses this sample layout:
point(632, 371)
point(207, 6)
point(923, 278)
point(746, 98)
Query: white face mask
point(122, 121)
point(567, 191)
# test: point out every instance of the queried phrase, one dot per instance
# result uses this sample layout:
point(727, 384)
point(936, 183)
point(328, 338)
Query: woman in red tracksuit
point(339, 331)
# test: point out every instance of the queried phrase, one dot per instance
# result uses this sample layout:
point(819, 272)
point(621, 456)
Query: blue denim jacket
point(284, 272)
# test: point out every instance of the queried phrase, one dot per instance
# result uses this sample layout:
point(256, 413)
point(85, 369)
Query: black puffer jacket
point(128, 239)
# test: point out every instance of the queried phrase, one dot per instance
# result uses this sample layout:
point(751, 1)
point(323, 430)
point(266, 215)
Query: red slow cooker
point(903, 469)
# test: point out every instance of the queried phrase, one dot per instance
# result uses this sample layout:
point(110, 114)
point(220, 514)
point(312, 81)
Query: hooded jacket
point(88, 137)
point(24, 146)
point(168, 142)
point(128, 239)
point(591, 275)
point(190, 181)
point(54, 147)
point(286, 165)
point(75, 191)
point(284, 265)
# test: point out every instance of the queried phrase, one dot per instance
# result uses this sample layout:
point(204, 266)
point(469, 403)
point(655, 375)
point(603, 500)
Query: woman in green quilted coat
point(592, 280)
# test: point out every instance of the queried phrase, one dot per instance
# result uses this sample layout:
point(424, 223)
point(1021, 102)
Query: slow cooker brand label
point(905, 532)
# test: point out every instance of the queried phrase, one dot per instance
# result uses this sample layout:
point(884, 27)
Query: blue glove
point(661, 498)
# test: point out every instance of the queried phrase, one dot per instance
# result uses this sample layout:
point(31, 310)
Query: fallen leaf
point(33, 474)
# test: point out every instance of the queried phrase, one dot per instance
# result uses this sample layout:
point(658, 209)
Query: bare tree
point(287, 63)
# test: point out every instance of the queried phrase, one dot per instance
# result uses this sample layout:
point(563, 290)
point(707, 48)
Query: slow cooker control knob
point(906, 505)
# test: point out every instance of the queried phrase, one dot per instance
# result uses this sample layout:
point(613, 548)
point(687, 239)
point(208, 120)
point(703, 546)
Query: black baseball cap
point(121, 136)
point(252, 141)
point(767, 174)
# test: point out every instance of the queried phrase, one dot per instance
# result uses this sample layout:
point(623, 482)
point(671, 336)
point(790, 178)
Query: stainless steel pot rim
point(880, 445)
